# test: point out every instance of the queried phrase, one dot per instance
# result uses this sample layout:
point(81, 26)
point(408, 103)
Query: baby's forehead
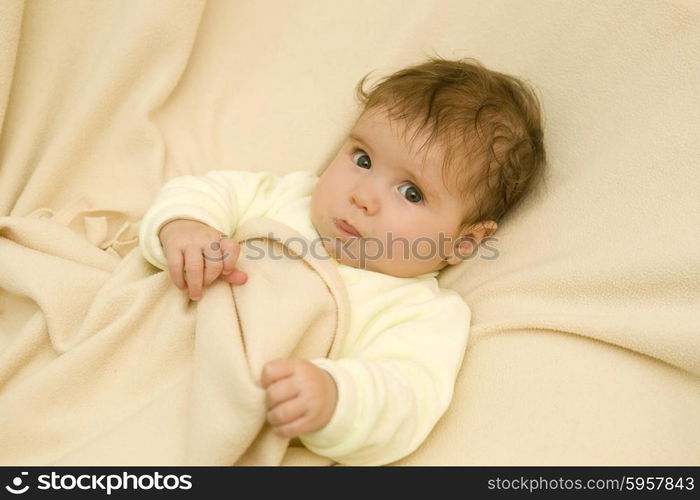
point(375, 126)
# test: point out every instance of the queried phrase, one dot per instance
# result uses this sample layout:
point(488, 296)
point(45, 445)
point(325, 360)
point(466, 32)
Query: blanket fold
point(114, 365)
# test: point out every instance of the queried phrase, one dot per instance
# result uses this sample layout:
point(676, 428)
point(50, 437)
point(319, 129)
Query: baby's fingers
point(281, 392)
point(237, 277)
point(287, 413)
point(176, 262)
point(213, 262)
point(231, 250)
point(194, 271)
point(275, 370)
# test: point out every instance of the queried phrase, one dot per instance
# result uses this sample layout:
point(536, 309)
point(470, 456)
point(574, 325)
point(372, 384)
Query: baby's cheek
point(371, 249)
point(424, 249)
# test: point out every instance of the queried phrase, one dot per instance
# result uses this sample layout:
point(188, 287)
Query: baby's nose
point(364, 197)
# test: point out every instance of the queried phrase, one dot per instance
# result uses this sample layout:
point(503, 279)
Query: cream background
point(585, 346)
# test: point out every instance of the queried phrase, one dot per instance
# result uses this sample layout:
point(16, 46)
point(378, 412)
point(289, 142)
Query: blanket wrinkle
point(685, 362)
point(109, 230)
point(123, 369)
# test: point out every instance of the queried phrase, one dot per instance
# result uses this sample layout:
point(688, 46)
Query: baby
point(440, 153)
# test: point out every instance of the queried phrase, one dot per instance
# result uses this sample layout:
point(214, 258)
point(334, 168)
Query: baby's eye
point(411, 193)
point(361, 159)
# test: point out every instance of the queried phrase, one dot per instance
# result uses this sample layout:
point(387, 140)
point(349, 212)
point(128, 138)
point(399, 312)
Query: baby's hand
point(197, 254)
point(301, 397)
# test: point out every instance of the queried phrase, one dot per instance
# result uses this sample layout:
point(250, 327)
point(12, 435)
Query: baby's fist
point(300, 396)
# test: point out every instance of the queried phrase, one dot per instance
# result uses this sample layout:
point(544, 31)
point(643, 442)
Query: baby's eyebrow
point(359, 140)
point(424, 187)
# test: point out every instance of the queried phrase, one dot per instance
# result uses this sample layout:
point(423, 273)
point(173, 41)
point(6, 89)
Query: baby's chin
point(342, 252)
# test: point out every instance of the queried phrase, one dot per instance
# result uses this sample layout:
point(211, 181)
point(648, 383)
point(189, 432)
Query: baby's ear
point(479, 230)
point(470, 238)
point(487, 228)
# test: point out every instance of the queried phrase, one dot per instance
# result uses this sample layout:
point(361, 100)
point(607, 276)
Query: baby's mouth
point(347, 228)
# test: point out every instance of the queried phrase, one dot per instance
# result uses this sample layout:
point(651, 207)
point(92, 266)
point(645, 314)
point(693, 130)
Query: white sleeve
point(223, 199)
point(392, 392)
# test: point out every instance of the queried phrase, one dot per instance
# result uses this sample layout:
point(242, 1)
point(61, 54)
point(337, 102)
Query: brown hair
point(488, 124)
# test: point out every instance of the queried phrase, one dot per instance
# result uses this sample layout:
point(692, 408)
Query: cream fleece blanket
point(585, 346)
point(119, 367)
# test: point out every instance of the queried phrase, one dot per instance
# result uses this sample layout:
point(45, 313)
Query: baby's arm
point(220, 200)
point(394, 388)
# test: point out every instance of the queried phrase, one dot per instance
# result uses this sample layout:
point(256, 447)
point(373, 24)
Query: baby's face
point(381, 205)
